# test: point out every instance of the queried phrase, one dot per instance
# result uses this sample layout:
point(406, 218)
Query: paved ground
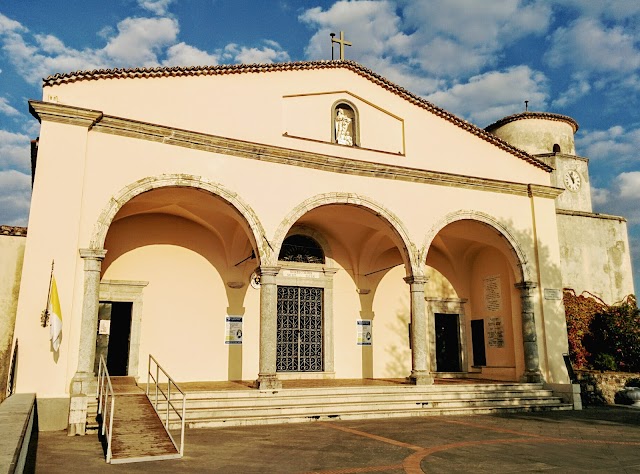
point(591, 440)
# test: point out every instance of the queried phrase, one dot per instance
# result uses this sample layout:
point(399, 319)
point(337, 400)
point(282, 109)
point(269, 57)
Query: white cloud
point(8, 25)
point(622, 199)
point(579, 88)
point(374, 28)
point(7, 109)
point(139, 40)
point(15, 196)
point(374, 24)
point(136, 42)
point(608, 9)
point(15, 151)
point(493, 95)
point(630, 185)
point(182, 54)
point(588, 45)
point(271, 52)
point(615, 145)
point(458, 37)
point(599, 196)
point(159, 7)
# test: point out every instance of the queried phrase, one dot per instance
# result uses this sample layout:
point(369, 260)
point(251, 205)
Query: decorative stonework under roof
point(534, 115)
point(148, 73)
point(13, 231)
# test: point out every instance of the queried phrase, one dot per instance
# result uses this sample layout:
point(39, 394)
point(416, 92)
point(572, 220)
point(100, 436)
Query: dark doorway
point(299, 346)
point(112, 340)
point(447, 343)
point(477, 341)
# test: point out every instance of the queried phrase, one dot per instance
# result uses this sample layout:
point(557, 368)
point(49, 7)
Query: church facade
point(299, 220)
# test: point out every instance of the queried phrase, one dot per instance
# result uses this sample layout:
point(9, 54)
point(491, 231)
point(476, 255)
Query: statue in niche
point(344, 128)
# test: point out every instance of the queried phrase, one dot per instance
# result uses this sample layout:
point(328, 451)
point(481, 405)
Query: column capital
point(526, 285)
point(416, 279)
point(93, 254)
point(267, 271)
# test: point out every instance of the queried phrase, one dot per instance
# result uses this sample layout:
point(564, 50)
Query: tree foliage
point(603, 337)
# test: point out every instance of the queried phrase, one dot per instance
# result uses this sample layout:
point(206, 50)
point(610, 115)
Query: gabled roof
point(147, 73)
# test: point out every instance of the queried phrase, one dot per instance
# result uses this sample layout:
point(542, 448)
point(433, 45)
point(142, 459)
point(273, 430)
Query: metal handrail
point(106, 404)
point(167, 397)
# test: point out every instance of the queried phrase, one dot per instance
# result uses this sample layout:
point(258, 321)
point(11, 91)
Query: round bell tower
point(550, 138)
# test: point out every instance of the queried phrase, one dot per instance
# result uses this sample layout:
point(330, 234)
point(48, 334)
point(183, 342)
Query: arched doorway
point(190, 255)
point(362, 244)
point(474, 302)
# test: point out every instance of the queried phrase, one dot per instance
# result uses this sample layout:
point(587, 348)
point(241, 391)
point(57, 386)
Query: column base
point(420, 378)
point(532, 377)
point(268, 382)
point(83, 387)
point(84, 383)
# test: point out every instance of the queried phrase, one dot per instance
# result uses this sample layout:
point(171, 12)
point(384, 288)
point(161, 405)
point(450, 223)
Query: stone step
point(247, 419)
point(280, 407)
point(415, 389)
point(281, 397)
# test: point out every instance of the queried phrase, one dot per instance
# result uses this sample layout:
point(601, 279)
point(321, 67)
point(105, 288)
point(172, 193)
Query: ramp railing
point(106, 404)
point(157, 395)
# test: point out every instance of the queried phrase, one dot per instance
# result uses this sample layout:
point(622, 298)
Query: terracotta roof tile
point(534, 115)
point(97, 74)
point(13, 230)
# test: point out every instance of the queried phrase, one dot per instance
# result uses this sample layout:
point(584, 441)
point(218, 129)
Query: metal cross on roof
point(342, 42)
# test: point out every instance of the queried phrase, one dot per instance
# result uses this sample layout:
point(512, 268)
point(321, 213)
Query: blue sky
point(477, 59)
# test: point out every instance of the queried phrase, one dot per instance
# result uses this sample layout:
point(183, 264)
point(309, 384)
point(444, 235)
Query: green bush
point(615, 333)
point(604, 362)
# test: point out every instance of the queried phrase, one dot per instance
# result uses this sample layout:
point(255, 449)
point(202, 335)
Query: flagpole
point(44, 319)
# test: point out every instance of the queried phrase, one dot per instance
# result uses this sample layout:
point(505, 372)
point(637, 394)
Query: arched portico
point(366, 240)
point(150, 230)
point(484, 265)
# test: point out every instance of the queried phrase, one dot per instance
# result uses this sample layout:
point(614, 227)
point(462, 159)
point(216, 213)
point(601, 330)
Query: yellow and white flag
point(55, 315)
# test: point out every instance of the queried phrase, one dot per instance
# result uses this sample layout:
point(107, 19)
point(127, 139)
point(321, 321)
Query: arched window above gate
point(301, 248)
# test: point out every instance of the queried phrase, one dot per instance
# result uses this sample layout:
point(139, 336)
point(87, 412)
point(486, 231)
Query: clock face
point(572, 180)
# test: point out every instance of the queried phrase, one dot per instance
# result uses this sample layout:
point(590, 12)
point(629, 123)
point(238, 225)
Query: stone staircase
point(294, 405)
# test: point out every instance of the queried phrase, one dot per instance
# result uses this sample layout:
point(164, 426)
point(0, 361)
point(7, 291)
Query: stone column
point(532, 371)
point(420, 374)
point(267, 378)
point(83, 384)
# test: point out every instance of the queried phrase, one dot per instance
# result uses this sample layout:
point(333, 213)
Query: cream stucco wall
point(186, 256)
point(537, 135)
point(12, 242)
point(594, 252)
point(260, 107)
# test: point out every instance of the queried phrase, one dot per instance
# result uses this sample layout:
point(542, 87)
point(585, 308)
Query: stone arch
point(409, 254)
point(524, 272)
point(150, 183)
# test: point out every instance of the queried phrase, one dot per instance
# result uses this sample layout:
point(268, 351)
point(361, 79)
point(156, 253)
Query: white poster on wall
point(365, 335)
point(233, 332)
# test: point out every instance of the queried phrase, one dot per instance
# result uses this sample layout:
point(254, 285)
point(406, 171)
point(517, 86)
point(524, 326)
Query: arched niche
point(345, 123)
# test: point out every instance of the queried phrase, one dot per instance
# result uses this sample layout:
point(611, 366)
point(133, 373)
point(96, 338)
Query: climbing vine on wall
point(601, 336)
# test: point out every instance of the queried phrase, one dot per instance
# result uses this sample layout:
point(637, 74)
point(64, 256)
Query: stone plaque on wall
point(495, 332)
point(552, 294)
point(492, 293)
point(301, 274)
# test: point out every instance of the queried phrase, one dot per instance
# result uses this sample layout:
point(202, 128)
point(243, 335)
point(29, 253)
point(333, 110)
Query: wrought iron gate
point(299, 329)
